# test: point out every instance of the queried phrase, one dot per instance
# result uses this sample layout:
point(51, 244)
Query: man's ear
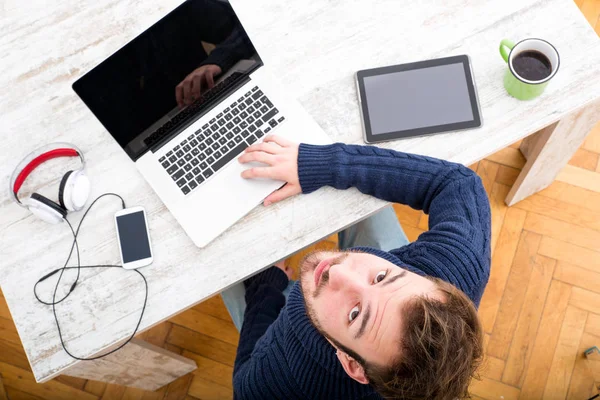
point(352, 368)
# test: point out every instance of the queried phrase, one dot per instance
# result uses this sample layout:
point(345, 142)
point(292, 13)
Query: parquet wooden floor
point(541, 308)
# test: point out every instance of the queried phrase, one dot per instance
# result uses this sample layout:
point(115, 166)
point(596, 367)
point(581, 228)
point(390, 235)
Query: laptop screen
point(149, 80)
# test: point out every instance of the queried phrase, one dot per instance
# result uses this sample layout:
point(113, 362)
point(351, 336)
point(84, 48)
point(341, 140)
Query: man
point(365, 322)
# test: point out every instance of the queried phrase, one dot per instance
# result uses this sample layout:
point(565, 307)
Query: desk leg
point(550, 149)
point(138, 364)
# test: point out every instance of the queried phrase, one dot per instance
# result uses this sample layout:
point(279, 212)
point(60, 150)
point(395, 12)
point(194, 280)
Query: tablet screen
point(418, 98)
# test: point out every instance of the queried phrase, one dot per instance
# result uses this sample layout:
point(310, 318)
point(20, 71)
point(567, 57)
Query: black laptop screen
point(135, 90)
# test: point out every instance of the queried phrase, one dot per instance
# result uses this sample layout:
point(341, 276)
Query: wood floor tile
point(3, 395)
point(94, 387)
point(507, 175)
point(502, 261)
point(509, 157)
point(516, 144)
point(563, 361)
point(406, 215)
point(521, 345)
point(577, 276)
point(474, 167)
point(423, 222)
point(24, 381)
point(133, 394)
point(560, 210)
point(411, 232)
point(206, 390)
point(490, 389)
point(584, 159)
point(592, 325)
point(201, 344)
point(580, 177)
point(592, 141)
point(580, 386)
point(113, 392)
point(178, 389)
point(498, 209)
point(157, 335)
point(208, 325)
point(8, 331)
point(585, 299)
point(4, 312)
point(74, 382)
point(211, 370)
point(214, 306)
point(564, 231)
point(14, 354)
point(514, 295)
point(545, 341)
point(582, 198)
point(570, 253)
point(14, 394)
point(487, 171)
point(492, 367)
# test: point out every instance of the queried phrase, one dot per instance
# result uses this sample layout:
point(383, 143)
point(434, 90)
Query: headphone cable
point(75, 245)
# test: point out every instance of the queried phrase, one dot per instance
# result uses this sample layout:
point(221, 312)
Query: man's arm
point(264, 301)
point(456, 248)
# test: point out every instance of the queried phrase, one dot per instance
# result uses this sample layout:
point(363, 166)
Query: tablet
point(419, 98)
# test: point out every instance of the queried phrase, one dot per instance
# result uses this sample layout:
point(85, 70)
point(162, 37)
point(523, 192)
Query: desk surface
point(315, 47)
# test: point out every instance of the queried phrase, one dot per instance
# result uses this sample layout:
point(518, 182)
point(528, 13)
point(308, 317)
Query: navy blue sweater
point(280, 354)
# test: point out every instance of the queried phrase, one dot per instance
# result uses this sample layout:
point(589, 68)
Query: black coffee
point(532, 65)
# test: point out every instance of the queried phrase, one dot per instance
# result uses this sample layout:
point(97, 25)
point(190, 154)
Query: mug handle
point(504, 45)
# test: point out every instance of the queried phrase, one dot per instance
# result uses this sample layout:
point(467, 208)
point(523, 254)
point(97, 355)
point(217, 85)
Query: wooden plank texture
point(514, 295)
point(565, 354)
point(545, 341)
point(527, 325)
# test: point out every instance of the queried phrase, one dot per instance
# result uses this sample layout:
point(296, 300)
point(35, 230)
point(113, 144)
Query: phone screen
point(133, 235)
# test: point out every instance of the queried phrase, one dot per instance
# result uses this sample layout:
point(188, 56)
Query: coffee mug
point(531, 65)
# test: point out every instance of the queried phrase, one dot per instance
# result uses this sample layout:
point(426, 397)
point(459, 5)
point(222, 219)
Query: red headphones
point(74, 186)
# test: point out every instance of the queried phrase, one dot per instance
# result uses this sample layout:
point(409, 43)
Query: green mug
point(515, 84)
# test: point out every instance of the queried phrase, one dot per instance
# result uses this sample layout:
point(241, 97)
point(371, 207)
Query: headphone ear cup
point(45, 209)
point(74, 190)
point(61, 189)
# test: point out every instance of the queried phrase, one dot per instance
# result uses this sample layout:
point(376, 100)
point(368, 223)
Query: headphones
point(73, 191)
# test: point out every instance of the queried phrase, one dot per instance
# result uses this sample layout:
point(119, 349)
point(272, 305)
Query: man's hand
point(282, 157)
point(288, 271)
point(199, 80)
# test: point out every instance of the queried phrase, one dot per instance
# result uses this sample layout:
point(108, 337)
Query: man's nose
point(341, 278)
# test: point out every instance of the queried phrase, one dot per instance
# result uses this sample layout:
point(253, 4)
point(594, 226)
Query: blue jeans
point(381, 231)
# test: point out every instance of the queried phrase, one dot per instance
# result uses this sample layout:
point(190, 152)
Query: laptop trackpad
point(220, 202)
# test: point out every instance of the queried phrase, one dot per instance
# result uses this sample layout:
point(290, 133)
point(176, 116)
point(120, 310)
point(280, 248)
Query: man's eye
point(380, 276)
point(353, 313)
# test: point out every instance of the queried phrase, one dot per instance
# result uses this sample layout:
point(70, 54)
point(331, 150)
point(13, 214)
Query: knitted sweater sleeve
point(457, 246)
point(264, 301)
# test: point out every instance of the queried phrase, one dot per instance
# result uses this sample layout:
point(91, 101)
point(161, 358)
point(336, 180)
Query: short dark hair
point(441, 348)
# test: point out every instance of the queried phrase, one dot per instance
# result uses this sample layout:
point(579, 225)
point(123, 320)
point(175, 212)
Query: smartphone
point(133, 237)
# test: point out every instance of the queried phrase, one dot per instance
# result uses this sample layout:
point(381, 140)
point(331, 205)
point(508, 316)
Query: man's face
point(357, 299)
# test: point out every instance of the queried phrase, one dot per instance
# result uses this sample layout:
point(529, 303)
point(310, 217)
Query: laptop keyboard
point(223, 138)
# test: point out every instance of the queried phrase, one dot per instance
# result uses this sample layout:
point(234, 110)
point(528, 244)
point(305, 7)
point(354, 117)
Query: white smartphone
point(133, 237)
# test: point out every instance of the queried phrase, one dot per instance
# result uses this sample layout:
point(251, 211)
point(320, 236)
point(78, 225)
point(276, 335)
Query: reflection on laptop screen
point(133, 92)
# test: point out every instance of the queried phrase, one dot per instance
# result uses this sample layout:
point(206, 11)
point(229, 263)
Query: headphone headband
point(37, 157)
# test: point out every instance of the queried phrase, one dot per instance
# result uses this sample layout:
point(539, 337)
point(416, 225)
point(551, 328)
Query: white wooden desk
point(315, 47)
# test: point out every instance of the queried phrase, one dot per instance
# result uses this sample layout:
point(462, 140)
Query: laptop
point(184, 136)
